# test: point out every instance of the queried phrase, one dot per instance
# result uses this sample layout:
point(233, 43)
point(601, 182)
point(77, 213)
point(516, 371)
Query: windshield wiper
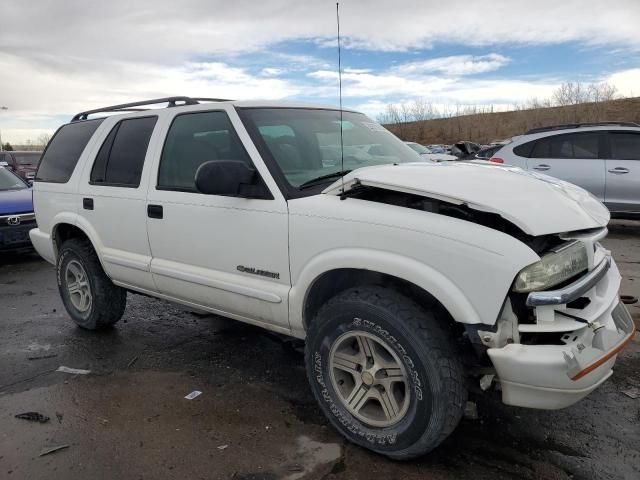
point(315, 181)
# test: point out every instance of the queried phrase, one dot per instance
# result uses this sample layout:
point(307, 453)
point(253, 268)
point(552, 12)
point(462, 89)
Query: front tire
point(89, 296)
point(385, 372)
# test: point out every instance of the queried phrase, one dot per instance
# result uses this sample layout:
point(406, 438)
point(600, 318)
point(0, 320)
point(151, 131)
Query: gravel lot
point(256, 418)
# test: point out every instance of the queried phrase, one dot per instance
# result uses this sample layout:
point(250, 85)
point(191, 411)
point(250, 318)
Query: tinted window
point(27, 158)
point(625, 146)
point(524, 150)
point(121, 157)
point(193, 139)
point(64, 150)
point(570, 145)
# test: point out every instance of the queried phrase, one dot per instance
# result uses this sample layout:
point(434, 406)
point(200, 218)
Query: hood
point(16, 201)
point(537, 204)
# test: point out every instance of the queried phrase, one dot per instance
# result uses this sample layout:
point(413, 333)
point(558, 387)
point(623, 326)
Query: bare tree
point(43, 139)
point(570, 93)
point(602, 92)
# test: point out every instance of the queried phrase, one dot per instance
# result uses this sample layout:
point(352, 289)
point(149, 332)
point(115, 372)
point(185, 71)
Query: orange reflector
point(602, 360)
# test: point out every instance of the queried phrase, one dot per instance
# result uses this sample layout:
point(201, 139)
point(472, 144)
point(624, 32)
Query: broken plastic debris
point(632, 392)
point(75, 371)
point(33, 417)
point(193, 395)
point(486, 381)
point(48, 450)
point(222, 447)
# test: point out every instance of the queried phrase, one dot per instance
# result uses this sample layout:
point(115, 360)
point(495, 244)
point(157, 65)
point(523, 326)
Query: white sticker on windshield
point(374, 127)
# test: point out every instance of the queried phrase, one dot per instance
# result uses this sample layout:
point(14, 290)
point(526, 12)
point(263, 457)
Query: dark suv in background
point(23, 164)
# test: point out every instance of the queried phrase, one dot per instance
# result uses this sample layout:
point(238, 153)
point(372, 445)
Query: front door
point(228, 254)
point(574, 157)
point(623, 172)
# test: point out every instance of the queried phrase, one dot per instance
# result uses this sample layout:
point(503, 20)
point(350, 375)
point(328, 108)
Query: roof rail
point(580, 125)
point(131, 107)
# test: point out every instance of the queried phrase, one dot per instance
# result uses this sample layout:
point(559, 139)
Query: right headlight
point(553, 268)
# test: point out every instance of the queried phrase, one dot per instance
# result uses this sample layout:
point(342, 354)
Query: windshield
point(305, 143)
point(28, 158)
point(8, 181)
point(419, 148)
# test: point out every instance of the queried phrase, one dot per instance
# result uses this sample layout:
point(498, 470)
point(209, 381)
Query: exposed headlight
point(553, 269)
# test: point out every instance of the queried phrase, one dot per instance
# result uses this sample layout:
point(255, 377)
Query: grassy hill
point(487, 127)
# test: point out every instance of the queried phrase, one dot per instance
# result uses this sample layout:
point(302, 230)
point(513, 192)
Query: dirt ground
point(256, 418)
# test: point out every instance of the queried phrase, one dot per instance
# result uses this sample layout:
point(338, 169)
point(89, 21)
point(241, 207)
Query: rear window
point(27, 158)
point(121, 157)
point(64, 150)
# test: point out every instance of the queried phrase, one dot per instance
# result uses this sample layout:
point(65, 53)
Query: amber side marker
point(613, 352)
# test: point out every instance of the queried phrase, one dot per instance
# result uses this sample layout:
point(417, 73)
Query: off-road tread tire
point(108, 300)
point(432, 329)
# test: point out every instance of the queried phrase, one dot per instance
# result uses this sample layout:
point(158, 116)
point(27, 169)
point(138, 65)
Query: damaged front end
point(550, 348)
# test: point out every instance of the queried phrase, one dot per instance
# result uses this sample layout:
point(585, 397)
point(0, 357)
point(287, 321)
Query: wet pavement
point(256, 418)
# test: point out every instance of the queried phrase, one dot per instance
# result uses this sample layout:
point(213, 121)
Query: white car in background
point(603, 158)
point(427, 154)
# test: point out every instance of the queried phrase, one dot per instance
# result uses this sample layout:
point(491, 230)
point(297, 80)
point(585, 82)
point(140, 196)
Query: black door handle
point(87, 203)
point(154, 211)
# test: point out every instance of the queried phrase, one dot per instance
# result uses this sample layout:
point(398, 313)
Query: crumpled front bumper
point(550, 376)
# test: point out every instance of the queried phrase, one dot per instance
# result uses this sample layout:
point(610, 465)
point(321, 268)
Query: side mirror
point(227, 177)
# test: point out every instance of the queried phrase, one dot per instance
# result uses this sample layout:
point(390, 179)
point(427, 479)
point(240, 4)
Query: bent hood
point(537, 204)
point(16, 201)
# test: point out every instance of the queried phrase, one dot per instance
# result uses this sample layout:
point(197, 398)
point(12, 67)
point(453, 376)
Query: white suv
point(405, 278)
point(603, 158)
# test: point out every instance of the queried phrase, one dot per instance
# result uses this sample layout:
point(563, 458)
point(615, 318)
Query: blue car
point(16, 213)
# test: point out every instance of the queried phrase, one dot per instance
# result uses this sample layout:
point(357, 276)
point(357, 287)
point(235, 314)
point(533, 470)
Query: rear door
point(623, 172)
point(112, 200)
point(574, 157)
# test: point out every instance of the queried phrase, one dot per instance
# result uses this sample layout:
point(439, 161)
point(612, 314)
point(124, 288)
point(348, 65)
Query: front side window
point(121, 157)
point(193, 139)
point(625, 146)
point(305, 144)
point(64, 150)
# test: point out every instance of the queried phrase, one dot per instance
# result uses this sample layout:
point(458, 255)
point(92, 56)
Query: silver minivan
point(603, 158)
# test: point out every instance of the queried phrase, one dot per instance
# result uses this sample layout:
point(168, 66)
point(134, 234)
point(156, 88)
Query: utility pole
point(1, 147)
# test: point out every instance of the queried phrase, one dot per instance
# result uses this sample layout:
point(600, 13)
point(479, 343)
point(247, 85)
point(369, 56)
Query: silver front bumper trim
point(573, 291)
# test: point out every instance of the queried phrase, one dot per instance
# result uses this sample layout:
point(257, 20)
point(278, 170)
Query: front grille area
point(17, 219)
point(14, 230)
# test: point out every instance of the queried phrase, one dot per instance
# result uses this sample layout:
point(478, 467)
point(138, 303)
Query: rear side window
point(625, 146)
point(524, 150)
point(570, 145)
point(121, 158)
point(193, 139)
point(64, 150)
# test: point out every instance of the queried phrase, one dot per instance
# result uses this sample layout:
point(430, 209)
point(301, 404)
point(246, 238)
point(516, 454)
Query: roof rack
point(131, 107)
point(580, 125)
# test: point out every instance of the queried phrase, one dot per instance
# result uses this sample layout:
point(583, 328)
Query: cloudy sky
point(60, 57)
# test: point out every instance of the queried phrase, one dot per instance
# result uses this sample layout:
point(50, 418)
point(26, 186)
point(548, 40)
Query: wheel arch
point(338, 270)
point(69, 227)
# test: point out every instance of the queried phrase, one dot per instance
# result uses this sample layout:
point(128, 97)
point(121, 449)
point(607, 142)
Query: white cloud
point(62, 57)
point(456, 65)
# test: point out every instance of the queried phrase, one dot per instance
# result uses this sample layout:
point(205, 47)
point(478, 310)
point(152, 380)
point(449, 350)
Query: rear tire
point(89, 296)
point(410, 405)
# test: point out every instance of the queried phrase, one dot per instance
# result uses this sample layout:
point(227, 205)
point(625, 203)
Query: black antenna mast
point(342, 195)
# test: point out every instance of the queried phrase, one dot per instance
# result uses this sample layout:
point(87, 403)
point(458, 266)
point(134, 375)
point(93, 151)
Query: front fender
point(424, 276)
